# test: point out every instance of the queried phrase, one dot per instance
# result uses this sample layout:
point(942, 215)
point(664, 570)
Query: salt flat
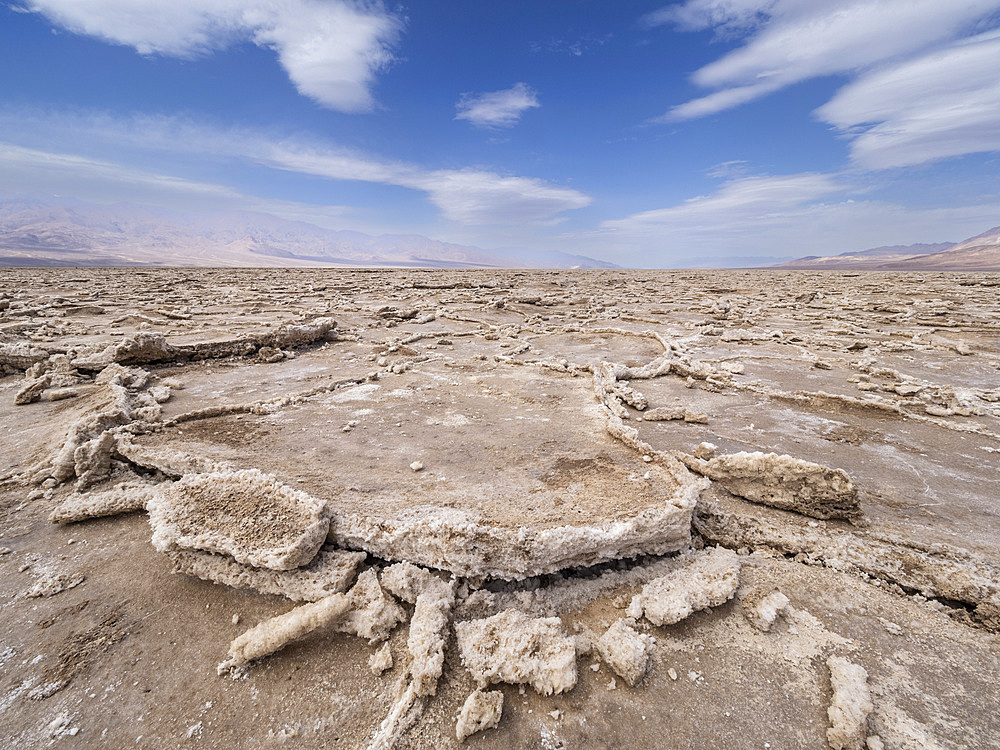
point(569, 444)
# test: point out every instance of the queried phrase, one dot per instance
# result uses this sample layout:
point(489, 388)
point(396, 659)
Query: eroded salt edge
point(448, 539)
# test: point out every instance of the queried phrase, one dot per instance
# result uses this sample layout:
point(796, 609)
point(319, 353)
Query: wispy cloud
point(788, 41)
point(782, 215)
point(577, 47)
point(465, 196)
point(497, 109)
point(747, 199)
point(945, 103)
point(331, 50)
point(36, 170)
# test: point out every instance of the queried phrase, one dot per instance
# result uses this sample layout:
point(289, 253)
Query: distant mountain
point(866, 258)
point(43, 231)
point(979, 253)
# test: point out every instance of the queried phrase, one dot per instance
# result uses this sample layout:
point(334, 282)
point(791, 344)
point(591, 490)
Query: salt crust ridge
point(783, 482)
point(119, 400)
point(146, 347)
point(330, 572)
point(933, 570)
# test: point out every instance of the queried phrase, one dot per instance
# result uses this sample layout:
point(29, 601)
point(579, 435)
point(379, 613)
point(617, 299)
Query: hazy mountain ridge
point(49, 231)
point(979, 253)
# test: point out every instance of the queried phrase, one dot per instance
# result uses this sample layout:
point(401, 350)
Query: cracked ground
point(218, 448)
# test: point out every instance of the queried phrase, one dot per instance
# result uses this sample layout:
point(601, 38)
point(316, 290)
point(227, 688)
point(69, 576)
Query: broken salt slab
point(850, 706)
point(434, 600)
point(481, 710)
point(625, 650)
point(365, 611)
point(762, 607)
point(246, 514)
point(124, 498)
point(710, 579)
point(514, 648)
point(330, 572)
point(381, 660)
point(783, 482)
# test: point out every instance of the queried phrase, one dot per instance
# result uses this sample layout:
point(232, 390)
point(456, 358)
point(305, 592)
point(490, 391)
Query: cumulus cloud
point(787, 41)
point(473, 197)
point(331, 49)
point(497, 109)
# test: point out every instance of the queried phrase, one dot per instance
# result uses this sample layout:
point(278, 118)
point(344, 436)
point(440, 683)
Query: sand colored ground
point(479, 481)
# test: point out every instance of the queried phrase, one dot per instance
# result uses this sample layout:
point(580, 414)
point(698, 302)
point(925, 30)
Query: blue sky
point(643, 133)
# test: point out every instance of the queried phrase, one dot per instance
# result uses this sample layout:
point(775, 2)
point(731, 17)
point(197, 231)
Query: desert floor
point(549, 443)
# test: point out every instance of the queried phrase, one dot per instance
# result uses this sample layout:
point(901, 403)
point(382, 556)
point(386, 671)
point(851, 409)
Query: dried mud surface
point(413, 509)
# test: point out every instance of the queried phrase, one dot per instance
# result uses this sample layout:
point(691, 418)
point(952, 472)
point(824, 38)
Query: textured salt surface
point(497, 436)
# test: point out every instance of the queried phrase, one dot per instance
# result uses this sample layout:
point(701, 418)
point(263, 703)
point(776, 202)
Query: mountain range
point(47, 231)
point(979, 253)
point(50, 231)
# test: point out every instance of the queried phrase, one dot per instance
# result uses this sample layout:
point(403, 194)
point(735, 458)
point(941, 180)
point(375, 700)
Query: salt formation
point(147, 347)
point(453, 540)
point(20, 356)
point(32, 390)
point(514, 648)
point(139, 348)
point(86, 452)
point(365, 611)
point(627, 496)
point(170, 462)
point(373, 614)
point(50, 584)
point(710, 579)
point(935, 571)
point(433, 600)
point(330, 572)
point(381, 660)
point(126, 497)
point(246, 514)
point(276, 633)
point(625, 650)
point(784, 482)
point(481, 710)
point(850, 706)
point(762, 607)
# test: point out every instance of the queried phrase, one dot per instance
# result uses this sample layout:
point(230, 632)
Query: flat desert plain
point(571, 509)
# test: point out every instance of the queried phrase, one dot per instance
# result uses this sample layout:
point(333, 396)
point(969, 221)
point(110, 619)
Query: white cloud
point(942, 104)
point(794, 40)
point(473, 197)
point(497, 109)
point(330, 49)
point(747, 199)
point(780, 216)
point(35, 170)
